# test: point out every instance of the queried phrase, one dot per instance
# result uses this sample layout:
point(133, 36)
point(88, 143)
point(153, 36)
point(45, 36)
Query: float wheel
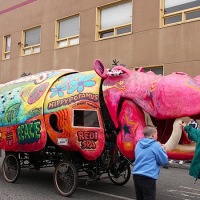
point(65, 178)
point(11, 167)
point(119, 173)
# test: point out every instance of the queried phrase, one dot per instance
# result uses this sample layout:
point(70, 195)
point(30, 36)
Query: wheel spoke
point(11, 168)
point(119, 177)
point(65, 178)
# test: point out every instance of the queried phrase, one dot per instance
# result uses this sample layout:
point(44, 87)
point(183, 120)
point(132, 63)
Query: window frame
point(183, 14)
point(31, 47)
point(67, 39)
point(98, 31)
point(78, 126)
point(4, 52)
point(151, 67)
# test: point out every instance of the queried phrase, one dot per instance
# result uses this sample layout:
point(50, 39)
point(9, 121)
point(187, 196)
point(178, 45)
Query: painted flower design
point(69, 78)
point(81, 82)
point(58, 90)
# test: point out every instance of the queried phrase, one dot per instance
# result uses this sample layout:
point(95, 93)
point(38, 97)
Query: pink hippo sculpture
point(166, 99)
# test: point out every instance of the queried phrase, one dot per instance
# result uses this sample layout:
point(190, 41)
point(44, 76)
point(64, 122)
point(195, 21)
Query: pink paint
point(24, 3)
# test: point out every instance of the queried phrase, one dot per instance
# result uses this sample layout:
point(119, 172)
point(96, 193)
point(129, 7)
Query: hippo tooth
point(175, 137)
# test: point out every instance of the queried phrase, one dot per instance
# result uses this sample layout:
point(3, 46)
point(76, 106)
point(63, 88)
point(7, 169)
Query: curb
point(181, 166)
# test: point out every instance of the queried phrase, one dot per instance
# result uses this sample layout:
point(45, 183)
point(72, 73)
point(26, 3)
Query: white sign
point(62, 141)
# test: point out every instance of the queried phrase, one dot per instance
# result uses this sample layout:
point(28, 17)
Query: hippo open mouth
point(129, 94)
point(178, 145)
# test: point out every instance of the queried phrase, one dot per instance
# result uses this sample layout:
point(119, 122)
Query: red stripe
point(16, 6)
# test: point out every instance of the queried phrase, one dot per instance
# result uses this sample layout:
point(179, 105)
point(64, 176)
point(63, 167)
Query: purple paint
point(16, 6)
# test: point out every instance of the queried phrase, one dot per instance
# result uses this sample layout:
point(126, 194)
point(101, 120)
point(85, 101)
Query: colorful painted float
point(91, 121)
point(55, 118)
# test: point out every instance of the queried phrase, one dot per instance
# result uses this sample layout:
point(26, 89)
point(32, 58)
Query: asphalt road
point(174, 183)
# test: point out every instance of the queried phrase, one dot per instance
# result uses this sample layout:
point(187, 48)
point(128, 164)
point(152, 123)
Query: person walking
point(194, 135)
point(149, 156)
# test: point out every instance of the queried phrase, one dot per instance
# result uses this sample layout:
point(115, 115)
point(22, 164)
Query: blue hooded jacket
point(149, 156)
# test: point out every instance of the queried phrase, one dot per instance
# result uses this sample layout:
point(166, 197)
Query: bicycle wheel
point(65, 178)
point(119, 174)
point(11, 168)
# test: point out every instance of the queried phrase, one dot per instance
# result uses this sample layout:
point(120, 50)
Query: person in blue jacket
point(149, 156)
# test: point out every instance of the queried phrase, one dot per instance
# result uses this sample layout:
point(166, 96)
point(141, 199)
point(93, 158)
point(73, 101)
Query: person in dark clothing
point(194, 135)
point(194, 124)
point(149, 156)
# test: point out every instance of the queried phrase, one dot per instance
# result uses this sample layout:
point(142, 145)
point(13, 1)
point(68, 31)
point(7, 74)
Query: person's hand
point(163, 146)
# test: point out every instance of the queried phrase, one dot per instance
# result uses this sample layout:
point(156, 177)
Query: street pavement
point(174, 183)
point(175, 163)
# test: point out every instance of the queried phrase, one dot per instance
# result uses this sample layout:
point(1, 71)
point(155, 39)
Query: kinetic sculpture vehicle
point(91, 121)
point(56, 119)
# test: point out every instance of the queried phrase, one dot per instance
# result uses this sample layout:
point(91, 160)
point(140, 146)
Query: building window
point(179, 11)
point(67, 31)
point(156, 69)
point(86, 118)
point(6, 47)
point(31, 38)
point(114, 20)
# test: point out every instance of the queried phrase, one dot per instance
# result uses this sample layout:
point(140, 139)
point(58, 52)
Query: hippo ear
point(100, 69)
point(141, 69)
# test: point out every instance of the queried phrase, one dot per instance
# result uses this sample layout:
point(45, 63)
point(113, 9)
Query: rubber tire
point(13, 167)
point(128, 175)
point(68, 178)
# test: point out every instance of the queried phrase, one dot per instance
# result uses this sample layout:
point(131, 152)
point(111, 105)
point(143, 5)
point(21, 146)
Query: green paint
point(29, 132)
